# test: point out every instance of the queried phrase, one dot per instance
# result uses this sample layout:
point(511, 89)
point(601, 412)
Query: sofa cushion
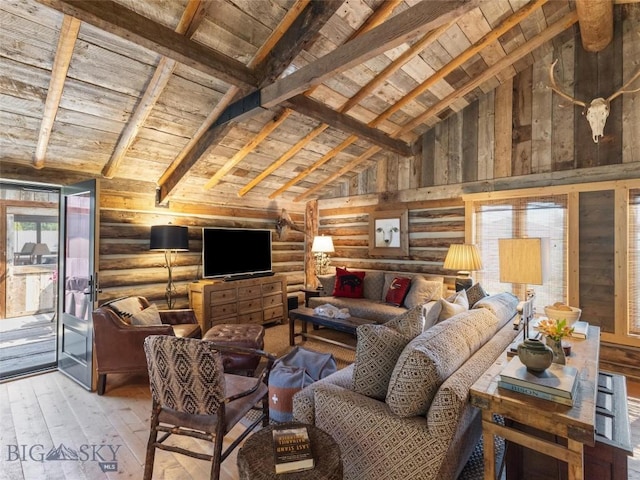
point(373, 284)
point(328, 282)
point(453, 305)
point(423, 291)
point(378, 349)
point(397, 290)
point(502, 305)
point(475, 293)
point(429, 359)
point(148, 316)
point(348, 284)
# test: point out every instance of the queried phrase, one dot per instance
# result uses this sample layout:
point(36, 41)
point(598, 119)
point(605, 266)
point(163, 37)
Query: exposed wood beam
point(596, 23)
point(317, 164)
point(244, 151)
point(311, 108)
point(118, 20)
point(281, 161)
point(302, 31)
point(457, 62)
point(191, 17)
point(66, 43)
point(415, 21)
point(546, 35)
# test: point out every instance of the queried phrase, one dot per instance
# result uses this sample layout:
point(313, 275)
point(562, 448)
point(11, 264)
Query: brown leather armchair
point(118, 344)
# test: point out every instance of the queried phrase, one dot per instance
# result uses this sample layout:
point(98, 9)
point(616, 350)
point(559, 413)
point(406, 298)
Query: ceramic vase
point(558, 351)
point(535, 355)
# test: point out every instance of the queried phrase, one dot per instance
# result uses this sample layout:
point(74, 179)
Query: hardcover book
point(557, 380)
point(580, 329)
point(535, 393)
point(292, 449)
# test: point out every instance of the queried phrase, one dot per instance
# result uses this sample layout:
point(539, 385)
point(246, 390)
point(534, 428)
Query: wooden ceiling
point(248, 102)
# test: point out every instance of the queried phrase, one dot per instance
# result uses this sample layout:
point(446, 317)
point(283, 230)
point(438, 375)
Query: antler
point(555, 88)
point(622, 90)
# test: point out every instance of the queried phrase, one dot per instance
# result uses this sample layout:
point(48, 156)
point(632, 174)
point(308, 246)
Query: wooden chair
point(192, 396)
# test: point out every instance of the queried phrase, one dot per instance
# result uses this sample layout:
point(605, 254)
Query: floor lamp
point(524, 261)
point(171, 239)
point(465, 258)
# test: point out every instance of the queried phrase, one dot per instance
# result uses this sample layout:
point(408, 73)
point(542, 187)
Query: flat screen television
point(228, 252)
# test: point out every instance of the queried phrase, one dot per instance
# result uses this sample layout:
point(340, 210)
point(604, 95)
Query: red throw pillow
point(398, 290)
point(348, 284)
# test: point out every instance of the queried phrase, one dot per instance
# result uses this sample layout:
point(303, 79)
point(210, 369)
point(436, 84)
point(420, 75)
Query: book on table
point(556, 383)
point(292, 449)
point(580, 329)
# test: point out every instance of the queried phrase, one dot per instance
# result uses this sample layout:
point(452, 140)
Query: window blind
point(543, 216)
point(633, 255)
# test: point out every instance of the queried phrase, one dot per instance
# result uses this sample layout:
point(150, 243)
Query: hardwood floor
point(44, 412)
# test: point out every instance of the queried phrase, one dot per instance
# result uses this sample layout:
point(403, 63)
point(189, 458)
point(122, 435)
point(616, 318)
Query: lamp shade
point(322, 244)
point(463, 257)
point(169, 237)
point(523, 260)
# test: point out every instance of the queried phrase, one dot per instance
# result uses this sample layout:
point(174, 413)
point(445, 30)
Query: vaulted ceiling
point(247, 101)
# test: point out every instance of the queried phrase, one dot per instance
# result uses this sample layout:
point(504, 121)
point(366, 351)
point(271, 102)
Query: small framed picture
point(389, 233)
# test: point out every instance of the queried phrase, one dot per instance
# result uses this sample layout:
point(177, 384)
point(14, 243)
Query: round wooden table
point(255, 458)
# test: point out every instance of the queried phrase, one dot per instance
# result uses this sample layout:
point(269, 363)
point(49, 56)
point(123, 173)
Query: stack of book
point(292, 449)
point(557, 383)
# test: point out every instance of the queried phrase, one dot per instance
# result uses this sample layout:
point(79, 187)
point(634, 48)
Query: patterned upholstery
point(376, 443)
point(185, 374)
point(423, 290)
point(475, 293)
point(503, 305)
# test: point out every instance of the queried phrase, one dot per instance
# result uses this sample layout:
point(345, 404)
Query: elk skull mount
point(598, 110)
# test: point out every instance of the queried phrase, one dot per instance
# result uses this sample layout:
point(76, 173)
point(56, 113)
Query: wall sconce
point(320, 247)
point(172, 239)
point(465, 258)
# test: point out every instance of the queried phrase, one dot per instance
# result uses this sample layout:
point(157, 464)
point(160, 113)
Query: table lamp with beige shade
point(465, 258)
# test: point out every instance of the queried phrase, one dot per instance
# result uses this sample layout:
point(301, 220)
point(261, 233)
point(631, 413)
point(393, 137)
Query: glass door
point(78, 282)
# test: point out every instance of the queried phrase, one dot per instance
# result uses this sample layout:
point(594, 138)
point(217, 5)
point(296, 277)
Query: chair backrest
point(185, 374)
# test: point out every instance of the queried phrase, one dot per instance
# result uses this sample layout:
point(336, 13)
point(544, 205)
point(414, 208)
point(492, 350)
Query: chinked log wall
point(128, 267)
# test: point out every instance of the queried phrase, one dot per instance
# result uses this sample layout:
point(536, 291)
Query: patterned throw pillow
point(397, 290)
point(378, 349)
point(423, 291)
point(148, 316)
point(475, 293)
point(348, 284)
point(457, 304)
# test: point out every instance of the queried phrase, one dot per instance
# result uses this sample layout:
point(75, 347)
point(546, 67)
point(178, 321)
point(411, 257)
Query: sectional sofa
point(401, 410)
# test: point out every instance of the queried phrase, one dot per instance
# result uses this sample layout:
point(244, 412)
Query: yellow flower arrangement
point(555, 330)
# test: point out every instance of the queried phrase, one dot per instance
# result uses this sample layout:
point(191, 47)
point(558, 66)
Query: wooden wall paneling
point(415, 170)
point(522, 111)
point(380, 177)
point(404, 173)
point(621, 239)
point(573, 247)
point(454, 160)
point(503, 130)
point(469, 139)
point(564, 115)
point(441, 158)
point(630, 101)
point(392, 180)
point(541, 117)
point(428, 158)
point(486, 136)
point(596, 258)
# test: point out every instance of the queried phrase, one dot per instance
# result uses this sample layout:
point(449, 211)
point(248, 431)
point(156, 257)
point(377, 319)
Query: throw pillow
point(328, 283)
point(475, 293)
point(377, 352)
point(373, 285)
point(409, 323)
point(126, 307)
point(423, 291)
point(397, 290)
point(148, 316)
point(348, 284)
point(458, 304)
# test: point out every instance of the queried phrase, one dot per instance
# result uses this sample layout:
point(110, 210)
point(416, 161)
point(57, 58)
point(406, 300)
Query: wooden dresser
point(255, 300)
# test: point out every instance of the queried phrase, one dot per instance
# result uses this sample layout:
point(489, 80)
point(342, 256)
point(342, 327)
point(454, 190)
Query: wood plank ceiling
point(243, 102)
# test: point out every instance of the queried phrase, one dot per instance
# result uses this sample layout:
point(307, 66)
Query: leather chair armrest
point(178, 316)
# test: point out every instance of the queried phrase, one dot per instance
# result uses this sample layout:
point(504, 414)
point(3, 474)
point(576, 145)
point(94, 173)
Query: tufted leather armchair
point(118, 345)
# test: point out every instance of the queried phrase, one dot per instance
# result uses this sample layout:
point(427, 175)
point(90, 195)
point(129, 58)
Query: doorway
point(29, 237)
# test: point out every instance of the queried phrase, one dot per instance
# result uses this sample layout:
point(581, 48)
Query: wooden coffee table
point(307, 315)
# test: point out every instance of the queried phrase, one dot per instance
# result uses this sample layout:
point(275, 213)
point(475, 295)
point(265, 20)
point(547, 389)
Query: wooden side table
point(576, 424)
point(256, 457)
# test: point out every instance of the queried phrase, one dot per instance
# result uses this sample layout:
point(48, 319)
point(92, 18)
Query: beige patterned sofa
point(401, 410)
point(372, 305)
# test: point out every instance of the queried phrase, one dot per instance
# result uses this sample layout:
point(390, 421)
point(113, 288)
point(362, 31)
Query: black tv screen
point(235, 251)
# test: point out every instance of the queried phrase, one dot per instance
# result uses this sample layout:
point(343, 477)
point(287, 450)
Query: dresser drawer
point(250, 305)
point(272, 300)
point(273, 314)
point(271, 287)
point(251, 317)
point(249, 291)
point(223, 310)
point(222, 296)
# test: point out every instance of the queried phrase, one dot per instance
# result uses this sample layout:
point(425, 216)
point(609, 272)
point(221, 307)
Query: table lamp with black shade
point(524, 261)
point(171, 239)
point(465, 258)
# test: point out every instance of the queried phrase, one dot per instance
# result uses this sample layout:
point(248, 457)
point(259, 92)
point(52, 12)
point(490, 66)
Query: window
point(634, 262)
point(524, 217)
